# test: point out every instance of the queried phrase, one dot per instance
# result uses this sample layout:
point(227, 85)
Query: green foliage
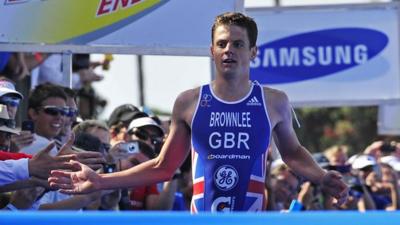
point(324, 127)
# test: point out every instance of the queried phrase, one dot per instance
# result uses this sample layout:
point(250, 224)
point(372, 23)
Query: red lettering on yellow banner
point(110, 6)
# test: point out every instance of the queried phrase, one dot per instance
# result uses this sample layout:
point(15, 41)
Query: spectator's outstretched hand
point(94, 160)
point(42, 163)
point(83, 181)
point(333, 185)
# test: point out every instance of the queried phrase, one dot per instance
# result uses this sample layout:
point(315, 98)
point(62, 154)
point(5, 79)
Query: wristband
point(11, 207)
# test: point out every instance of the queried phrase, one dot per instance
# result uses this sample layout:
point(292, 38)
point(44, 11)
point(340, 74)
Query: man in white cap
point(149, 135)
point(9, 96)
point(147, 130)
point(6, 128)
point(12, 99)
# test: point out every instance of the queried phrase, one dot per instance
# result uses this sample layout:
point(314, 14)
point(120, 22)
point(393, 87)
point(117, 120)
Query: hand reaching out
point(94, 160)
point(42, 163)
point(83, 181)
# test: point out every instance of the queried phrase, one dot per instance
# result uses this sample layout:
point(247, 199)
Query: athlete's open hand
point(83, 181)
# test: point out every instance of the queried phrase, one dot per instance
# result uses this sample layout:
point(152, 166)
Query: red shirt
point(11, 155)
point(138, 196)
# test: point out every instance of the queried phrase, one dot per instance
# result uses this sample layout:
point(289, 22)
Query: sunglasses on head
point(7, 122)
point(10, 101)
point(54, 110)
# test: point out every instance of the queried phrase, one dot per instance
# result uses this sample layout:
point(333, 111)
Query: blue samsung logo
point(315, 54)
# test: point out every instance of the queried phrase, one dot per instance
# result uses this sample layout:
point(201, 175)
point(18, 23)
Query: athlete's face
point(231, 50)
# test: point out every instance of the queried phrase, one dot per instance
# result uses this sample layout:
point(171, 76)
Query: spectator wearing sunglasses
point(9, 96)
point(119, 121)
point(12, 99)
point(56, 201)
point(70, 116)
point(47, 110)
point(7, 128)
point(147, 132)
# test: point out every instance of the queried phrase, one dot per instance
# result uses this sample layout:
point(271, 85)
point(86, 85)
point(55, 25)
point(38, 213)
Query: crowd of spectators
point(56, 131)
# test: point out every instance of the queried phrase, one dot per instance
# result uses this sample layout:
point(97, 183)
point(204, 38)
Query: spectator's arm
point(25, 198)
point(74, 203)
point(366, 202)
point(34, 60)
point(305, 195)
point(13, 170)
point(13, 156)
point(50, 71)
point(165, 200)
point(394, 195)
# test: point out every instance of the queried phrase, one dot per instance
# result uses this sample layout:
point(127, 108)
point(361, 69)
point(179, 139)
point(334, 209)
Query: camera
point(28, 125)
point(109, 168)
point(130, 147)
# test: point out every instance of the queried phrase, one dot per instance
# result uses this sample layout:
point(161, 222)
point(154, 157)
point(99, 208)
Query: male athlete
point(228, 125)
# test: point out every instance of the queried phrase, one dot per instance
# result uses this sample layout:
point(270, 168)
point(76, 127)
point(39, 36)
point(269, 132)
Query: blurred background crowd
point(38, 117)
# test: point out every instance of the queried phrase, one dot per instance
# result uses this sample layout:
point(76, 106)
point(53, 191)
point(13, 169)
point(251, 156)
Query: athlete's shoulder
point(275, 95)
point(277, 103)
point(185, 104)
point(189, 96)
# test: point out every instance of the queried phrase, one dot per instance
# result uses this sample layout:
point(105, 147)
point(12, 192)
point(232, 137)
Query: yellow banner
point(77, 21)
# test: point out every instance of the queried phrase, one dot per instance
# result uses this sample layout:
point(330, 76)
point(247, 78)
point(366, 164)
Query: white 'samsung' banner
point(331, 55)
point(152, 26)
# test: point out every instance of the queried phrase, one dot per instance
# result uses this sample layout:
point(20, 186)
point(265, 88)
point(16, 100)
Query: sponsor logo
point(232, 156)
point(107, 7)
point(223, 204)
point(253, 102)
point(205, 100)
point(316, 54)
point(226, 177)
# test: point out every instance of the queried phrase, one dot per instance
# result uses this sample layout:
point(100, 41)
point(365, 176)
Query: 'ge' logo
point(226, 177)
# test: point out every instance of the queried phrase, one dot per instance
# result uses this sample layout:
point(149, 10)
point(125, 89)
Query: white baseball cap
point(6, 87)
point(145, 122)
point(392, 161)
point(363, 161)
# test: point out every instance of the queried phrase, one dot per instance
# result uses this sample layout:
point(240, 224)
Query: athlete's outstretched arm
point(298, 158)
point(172, 155)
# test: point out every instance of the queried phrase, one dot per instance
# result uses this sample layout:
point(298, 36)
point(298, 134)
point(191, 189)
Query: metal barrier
point(179, 218)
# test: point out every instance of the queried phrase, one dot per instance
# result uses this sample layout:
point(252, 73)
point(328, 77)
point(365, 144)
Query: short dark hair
point(237, 19)
point(69, 92)
point(125, 113)
point(43, 92)
point(84, 126)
